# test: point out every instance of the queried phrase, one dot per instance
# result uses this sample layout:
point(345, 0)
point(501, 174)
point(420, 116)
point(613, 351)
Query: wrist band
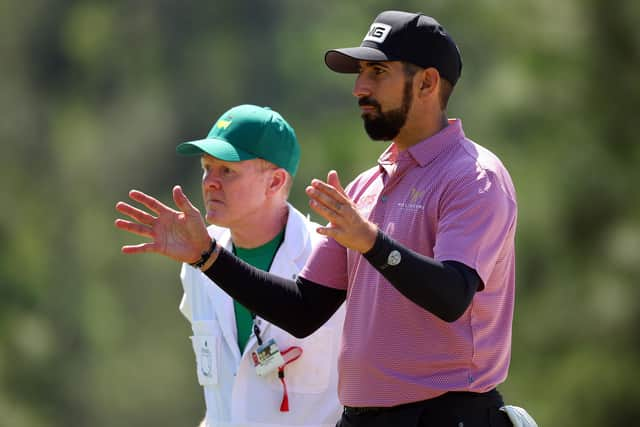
point(205, 255)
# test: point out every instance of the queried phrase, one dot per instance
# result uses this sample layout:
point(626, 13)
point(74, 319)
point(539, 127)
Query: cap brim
point(217, 148)
point(346, 60)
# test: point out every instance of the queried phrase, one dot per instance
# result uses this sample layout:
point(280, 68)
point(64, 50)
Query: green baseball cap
point(249, 132)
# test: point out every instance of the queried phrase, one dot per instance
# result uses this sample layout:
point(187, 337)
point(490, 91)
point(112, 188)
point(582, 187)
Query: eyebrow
point(376, 63)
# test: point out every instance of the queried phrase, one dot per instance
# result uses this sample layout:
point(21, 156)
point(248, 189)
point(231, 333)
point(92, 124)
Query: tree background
point(95, 95)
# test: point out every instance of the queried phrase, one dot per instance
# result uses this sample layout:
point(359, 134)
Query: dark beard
point(386, 126)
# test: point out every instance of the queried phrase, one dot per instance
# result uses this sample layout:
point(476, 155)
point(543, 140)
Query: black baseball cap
point(402, 36)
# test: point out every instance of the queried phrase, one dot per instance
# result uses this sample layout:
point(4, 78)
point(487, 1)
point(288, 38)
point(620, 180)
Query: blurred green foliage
point(95, 95)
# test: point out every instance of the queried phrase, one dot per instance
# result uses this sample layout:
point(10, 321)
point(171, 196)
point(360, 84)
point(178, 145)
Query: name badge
point(267, 358)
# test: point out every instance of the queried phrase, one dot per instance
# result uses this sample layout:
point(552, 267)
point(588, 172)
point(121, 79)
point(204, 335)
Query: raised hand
point(179, 234)
point(346, 225)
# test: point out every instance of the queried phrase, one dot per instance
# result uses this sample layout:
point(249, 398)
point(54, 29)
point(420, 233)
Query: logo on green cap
point(223, 124)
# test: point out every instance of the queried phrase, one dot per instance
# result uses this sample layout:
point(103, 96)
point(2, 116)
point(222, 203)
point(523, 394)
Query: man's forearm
point(299, 307)
point(445, 289)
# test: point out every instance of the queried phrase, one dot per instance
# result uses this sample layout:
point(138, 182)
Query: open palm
point(179, 234)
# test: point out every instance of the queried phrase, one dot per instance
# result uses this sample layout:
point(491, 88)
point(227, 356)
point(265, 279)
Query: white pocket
point(312, 371)
point(206, 346)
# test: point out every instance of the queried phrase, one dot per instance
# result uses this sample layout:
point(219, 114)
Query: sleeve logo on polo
point(378, 32)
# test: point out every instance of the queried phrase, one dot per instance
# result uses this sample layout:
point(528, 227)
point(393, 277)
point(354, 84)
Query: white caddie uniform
point(235, 395)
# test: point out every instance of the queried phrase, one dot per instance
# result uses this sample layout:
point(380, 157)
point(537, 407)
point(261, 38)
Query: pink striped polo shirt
point(446, 198)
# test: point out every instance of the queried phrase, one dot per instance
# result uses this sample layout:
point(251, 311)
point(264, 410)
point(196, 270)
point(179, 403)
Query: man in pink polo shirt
point(421, 246)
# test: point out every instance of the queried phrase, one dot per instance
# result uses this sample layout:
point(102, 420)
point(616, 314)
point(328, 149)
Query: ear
point(277, 181)
point(428, 80)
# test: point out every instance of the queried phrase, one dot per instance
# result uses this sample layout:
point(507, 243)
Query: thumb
point(181, 200)
point(334, 180)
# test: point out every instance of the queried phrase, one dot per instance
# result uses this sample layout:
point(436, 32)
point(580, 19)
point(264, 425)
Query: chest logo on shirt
point(416, 195)
point(414, 201)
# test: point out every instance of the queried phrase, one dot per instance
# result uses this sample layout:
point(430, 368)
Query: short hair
point(446, 88)
point(410, 69)
point(265, 165)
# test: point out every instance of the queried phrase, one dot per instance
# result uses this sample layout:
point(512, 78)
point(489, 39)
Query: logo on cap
point(223, 124)
point(378, 32)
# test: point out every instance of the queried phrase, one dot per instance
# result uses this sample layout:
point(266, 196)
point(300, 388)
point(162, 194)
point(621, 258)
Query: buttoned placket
point(393, 176)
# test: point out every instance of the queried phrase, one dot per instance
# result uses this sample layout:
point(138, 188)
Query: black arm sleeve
point(445, 289)
point(299, 307)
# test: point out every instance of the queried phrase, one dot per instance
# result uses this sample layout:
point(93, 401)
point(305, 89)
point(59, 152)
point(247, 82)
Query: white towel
point(518, 416)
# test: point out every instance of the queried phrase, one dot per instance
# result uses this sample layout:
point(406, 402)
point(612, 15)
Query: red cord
point(284, 405)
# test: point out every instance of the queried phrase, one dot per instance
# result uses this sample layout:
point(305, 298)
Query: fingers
point(327, 188)
point(323, 211)
point(132, 227)
point(327, 194)
point(324, 204)
point(153, 204)
point(329, 199)
point(168, 231)
point(140, 230)
point(182, 201)
point(135, 213)
point(334, 180)
point(139, 249)
point(328, 231)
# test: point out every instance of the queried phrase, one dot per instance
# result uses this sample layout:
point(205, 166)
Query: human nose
point(211, 180)
point(361, 87)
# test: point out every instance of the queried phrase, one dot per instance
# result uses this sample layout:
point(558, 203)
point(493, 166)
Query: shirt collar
point(427, 150)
